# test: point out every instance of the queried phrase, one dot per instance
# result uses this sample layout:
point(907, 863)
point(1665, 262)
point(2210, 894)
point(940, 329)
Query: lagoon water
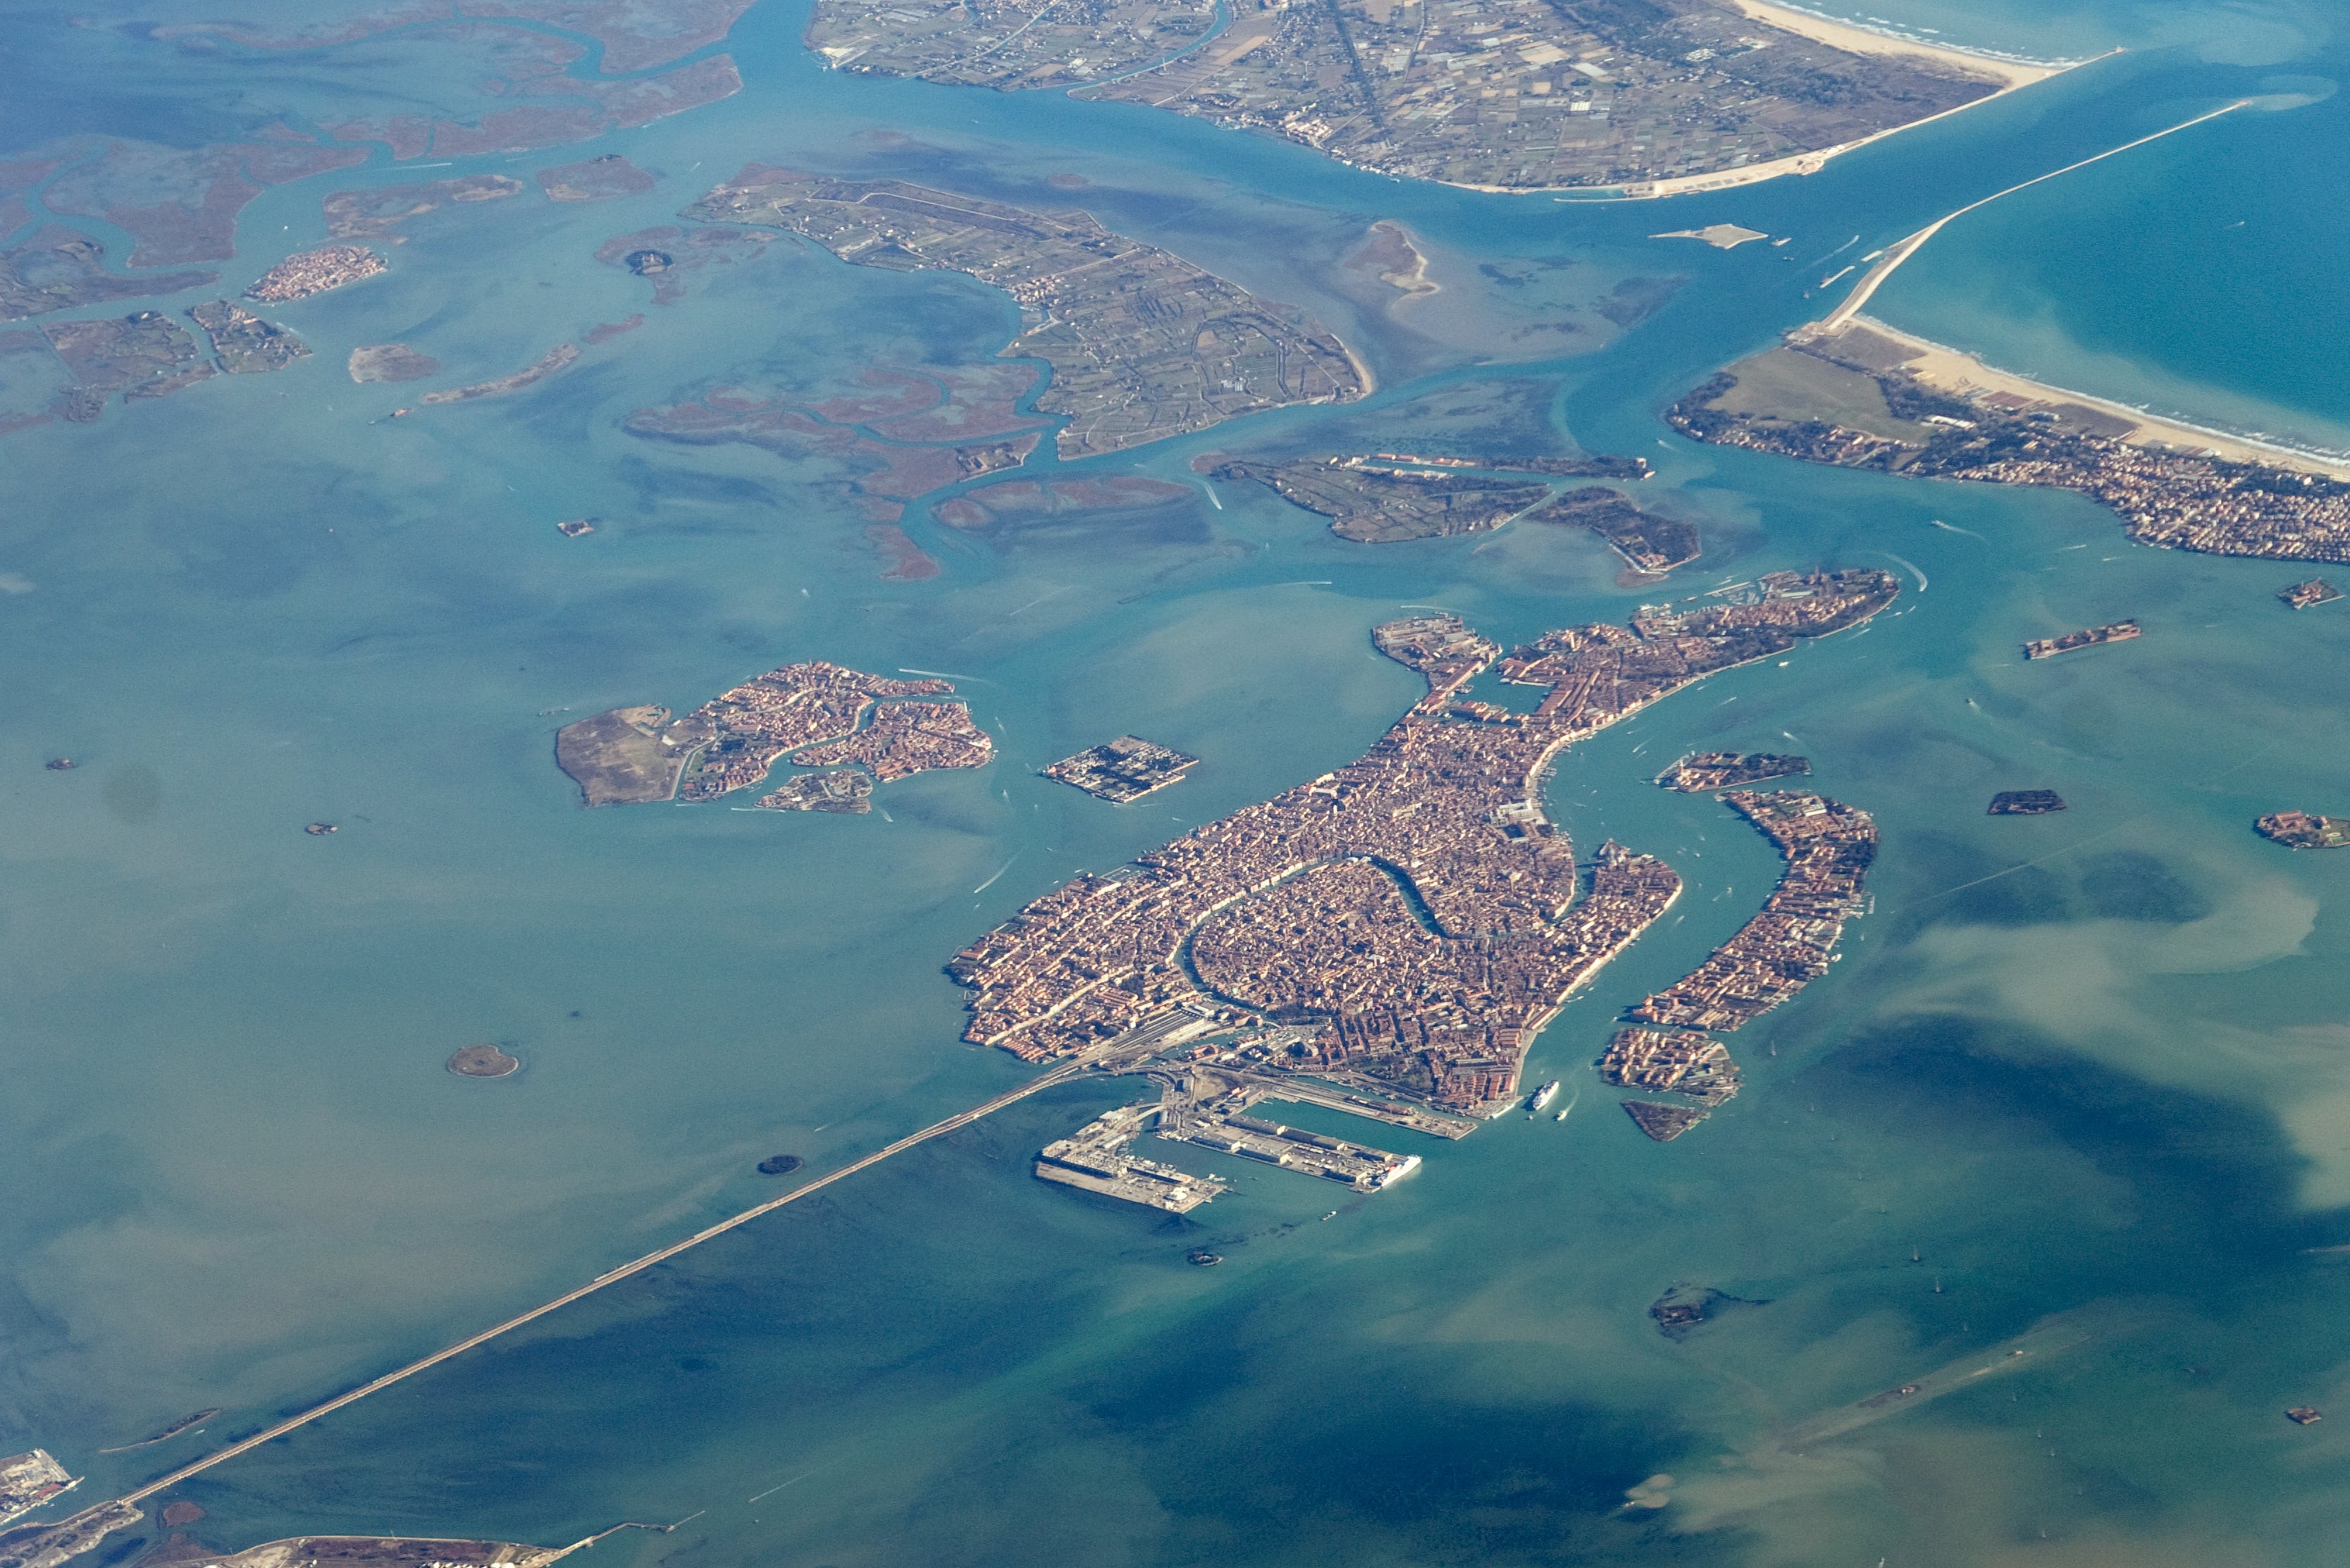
point(2095, 1064)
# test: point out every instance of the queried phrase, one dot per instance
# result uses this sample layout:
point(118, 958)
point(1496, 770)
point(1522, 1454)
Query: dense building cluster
point(1123, 770)
point(1671, 1061)
point(737, 736)
point(1509, 94)
point(824, 715)
point(2090, 637)
point(1701, 772)
point(1415, 911)
point(1143, 344)
point(314, 272)
point(2176, 499)
point(29, 1479)
point(905, 739)
point(2304, 830)
point(1829, 848)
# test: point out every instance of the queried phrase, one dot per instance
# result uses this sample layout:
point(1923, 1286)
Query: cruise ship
point(1544, 1096)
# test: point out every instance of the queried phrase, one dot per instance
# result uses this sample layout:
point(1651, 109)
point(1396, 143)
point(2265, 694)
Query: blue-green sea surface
point(2091, 1067)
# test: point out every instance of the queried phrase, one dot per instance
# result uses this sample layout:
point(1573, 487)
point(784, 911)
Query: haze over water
point(2090, 1065)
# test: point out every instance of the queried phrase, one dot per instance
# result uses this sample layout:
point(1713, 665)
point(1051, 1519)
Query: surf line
point(1075, 1066)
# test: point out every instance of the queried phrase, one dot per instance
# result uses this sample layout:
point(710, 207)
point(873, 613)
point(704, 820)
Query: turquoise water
point(2089, 1064)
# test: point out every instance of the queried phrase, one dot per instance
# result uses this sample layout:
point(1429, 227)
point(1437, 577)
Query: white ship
point(1544, 1096)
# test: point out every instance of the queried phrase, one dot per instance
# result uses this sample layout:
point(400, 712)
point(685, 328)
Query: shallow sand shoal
point(1954, 370)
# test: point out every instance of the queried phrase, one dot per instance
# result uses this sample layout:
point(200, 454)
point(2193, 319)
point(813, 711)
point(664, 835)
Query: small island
point(389, 362)
point(2025, 803)
point(824, 715)
point(183, 1423)
point(1373, 503)
point(243, 343)
point(300, 275)
point(1701, 772)
point(576, 528)
point(2050, 646)
point(2310, 594)
point(594, 180)
point(1123, 770)
point(2303, 830)
point(1720, 236)
point(546, 365)
point(1382, 498)
point(484, 1062)
point(780, 1164)
point(143, 355)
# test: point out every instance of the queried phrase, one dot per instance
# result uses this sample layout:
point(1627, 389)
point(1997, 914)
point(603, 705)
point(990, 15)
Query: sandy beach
point(2009, 72)
point(1957, 371)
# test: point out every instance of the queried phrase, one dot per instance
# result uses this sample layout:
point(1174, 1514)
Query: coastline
point(2011, 71)
point(2011, 75)
point(1954, 369)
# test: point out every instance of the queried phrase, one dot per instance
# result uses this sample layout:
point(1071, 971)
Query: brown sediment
point(604, 331)
point(554, 360)
point(907, 563)
point(390, 362)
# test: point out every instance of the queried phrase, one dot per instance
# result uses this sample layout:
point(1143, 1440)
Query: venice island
point(1408, 923)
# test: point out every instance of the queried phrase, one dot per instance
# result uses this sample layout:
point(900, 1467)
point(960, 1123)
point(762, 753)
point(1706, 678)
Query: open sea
point(2091, 1067)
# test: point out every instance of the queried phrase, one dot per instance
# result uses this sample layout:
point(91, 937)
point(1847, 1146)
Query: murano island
point(859, 729)
point(1392, 935)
